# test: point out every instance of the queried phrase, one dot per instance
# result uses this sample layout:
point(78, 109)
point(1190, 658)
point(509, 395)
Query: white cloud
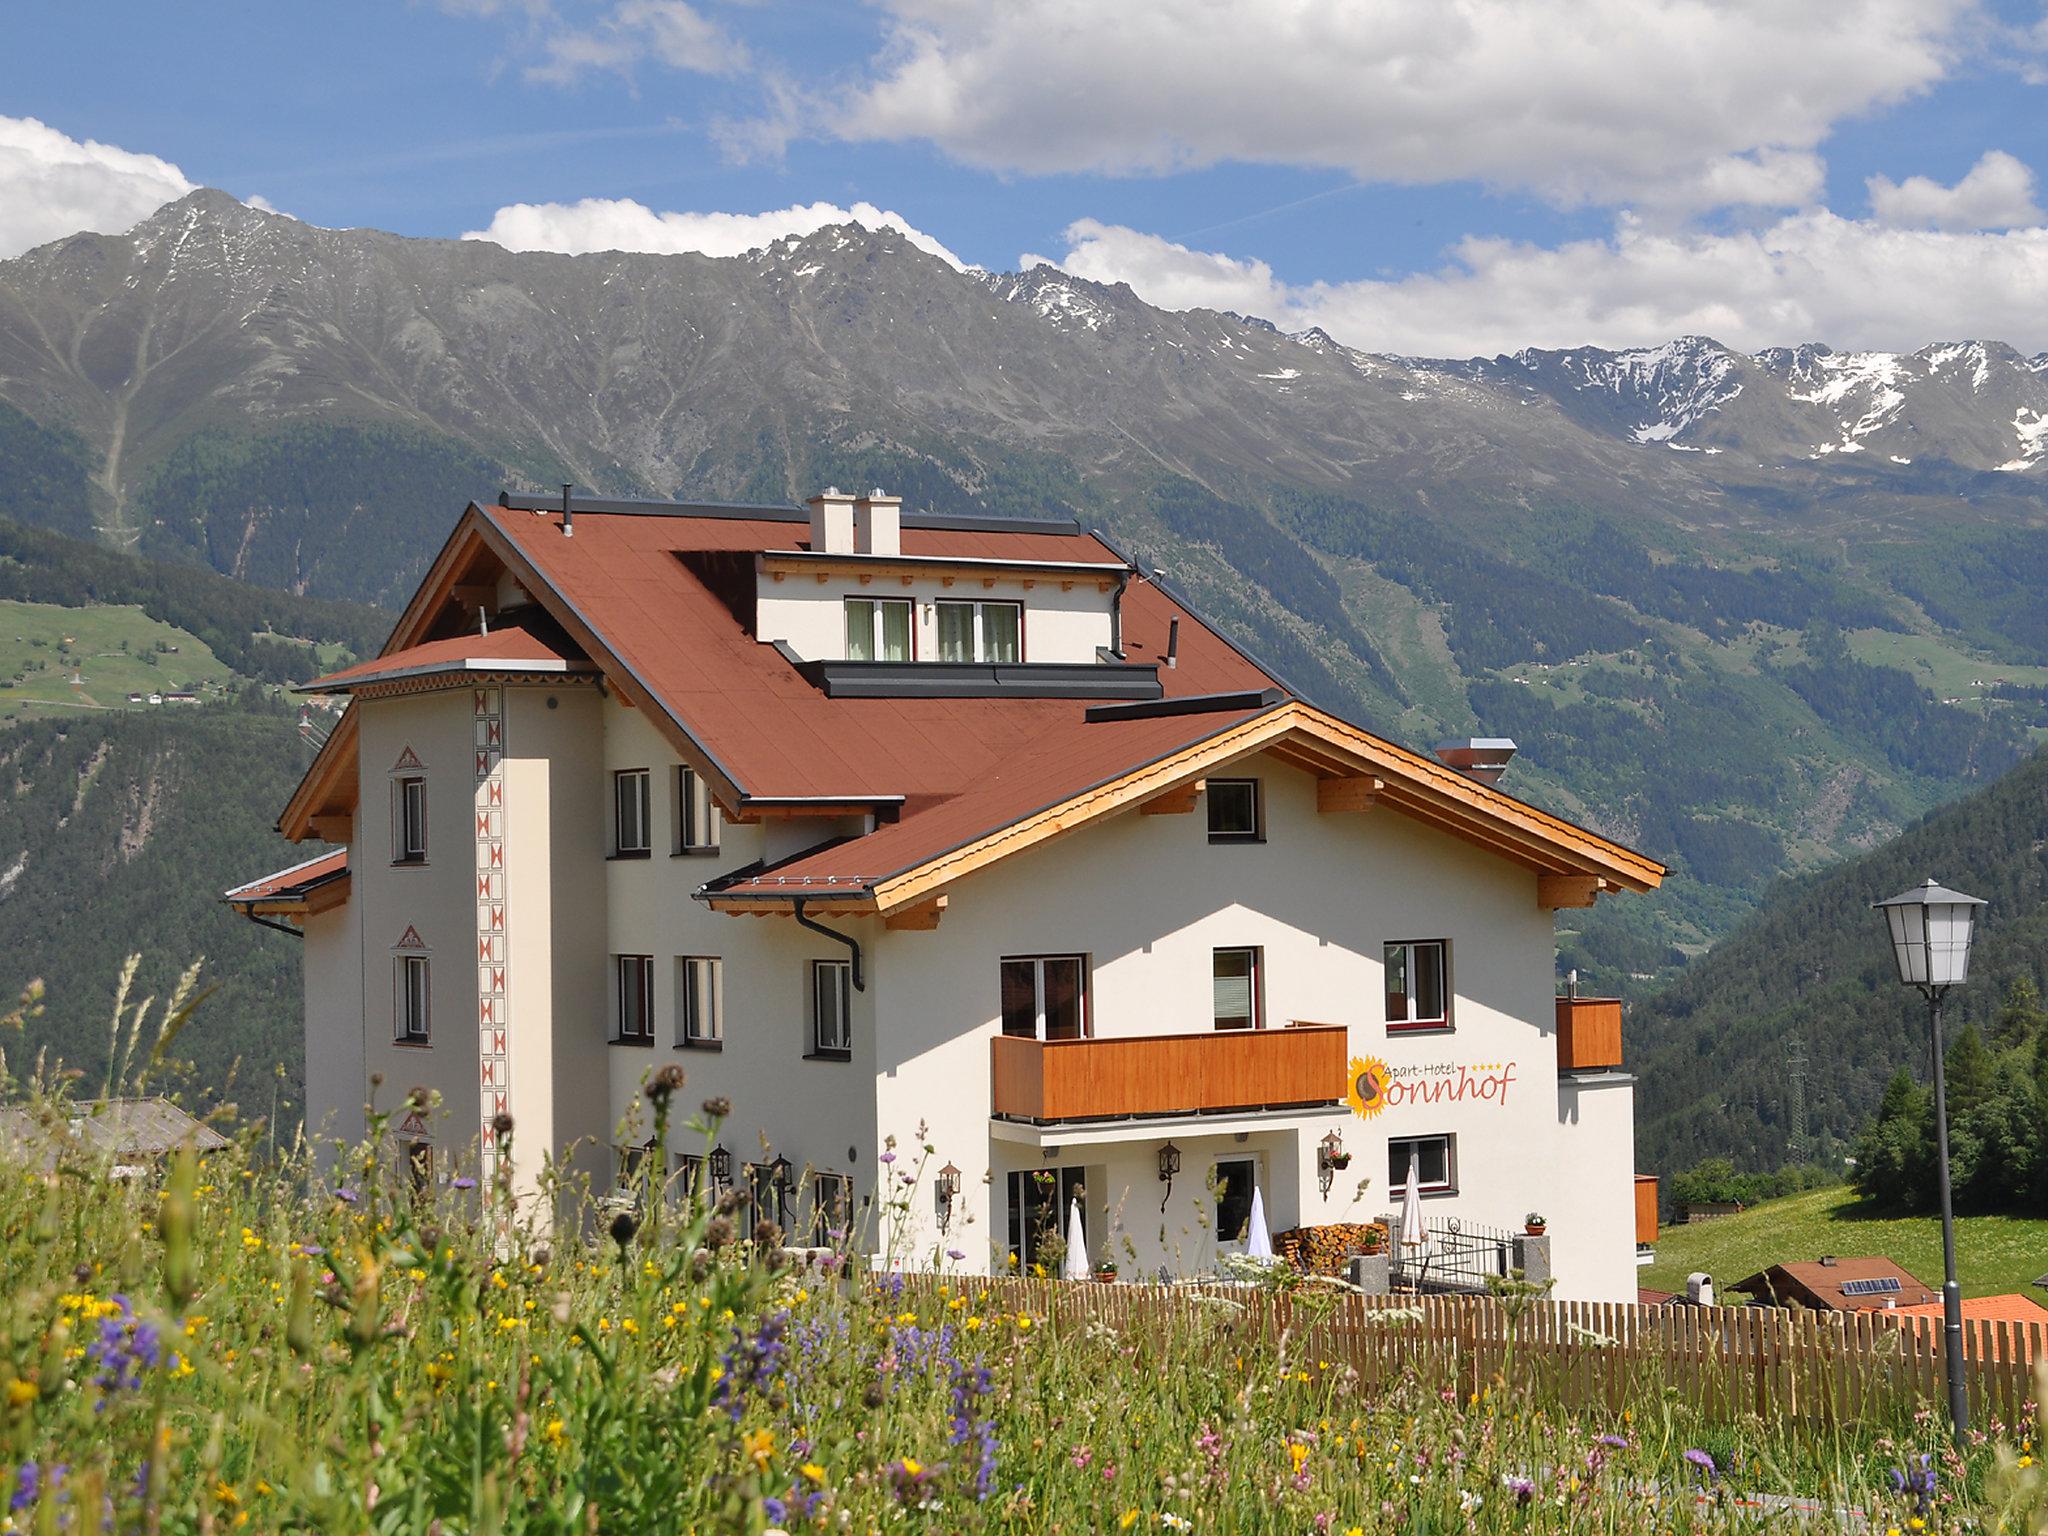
point(1998, 193)
point(52, 185)
point(619, 224)
point(665, 32)
point(1656, 102)
point(1809, 276)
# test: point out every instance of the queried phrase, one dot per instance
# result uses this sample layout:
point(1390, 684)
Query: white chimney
point(831, 522)
point(878, 524)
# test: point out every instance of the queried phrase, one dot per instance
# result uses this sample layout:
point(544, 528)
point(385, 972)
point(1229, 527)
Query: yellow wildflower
point(813, 1473)
point(1127, 1519)
point(759, 1444)
point(20, 1393)
point(554, 1434)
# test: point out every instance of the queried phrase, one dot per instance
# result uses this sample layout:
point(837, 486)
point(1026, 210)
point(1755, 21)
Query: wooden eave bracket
point(1554, 891)
point(1177, 801)
point(332, 827)
point(920, 918)
point(1349, 794)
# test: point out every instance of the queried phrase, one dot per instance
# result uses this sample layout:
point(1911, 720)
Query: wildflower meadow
point(279, 1340)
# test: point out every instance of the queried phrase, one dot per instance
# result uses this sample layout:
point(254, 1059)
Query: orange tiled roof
point(526, 647)
point(2009, 1307)
point(293, 881)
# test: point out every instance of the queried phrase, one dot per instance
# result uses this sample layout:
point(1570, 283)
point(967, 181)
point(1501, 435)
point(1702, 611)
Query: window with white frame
point(700, 1001)
point(1235, 815)
point(1418, 994)
point(878, 629)
point(1045, 997)
point(409, 820)
point(633, 999)
point(696, 818)
point(1434, 1158)
point(978, 631)
point(415, 1000)
point(831, 1008)
point(631, 822)
point(1236, 988)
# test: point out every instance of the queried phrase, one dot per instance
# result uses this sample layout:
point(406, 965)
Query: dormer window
point(985, 632)
point(878, 629)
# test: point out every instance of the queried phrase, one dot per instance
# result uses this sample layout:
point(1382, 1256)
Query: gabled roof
point(123, 1129)
point(530, 647)
point(652, 596)
point(1817, 1283)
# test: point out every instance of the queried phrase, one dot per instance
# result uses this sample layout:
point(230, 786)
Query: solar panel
point(1878, 1285)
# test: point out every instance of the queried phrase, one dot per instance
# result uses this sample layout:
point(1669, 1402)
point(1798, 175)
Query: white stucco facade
point(1147, 899)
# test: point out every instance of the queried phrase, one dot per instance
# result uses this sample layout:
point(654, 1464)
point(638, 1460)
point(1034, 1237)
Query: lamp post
point(1931, 929)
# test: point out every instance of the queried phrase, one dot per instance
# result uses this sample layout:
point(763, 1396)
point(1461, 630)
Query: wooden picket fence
point(1725, 1361)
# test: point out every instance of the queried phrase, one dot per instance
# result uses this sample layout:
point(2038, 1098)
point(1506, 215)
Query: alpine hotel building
point(877, 822)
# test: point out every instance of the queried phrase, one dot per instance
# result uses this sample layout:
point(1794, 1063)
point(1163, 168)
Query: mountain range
point(1750, 612)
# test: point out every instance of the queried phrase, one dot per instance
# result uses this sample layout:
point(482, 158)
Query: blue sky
point(1416, 175)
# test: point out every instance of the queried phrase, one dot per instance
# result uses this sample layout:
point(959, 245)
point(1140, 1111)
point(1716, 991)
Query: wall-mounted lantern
point(720, 1163)
point(1169, 1166)
point(1330, 1157)
point(944, 1193)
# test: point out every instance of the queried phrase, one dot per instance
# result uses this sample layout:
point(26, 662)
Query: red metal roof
point(295, 881)
point(1814, 1283)
point(963, 767)
point(531, 647)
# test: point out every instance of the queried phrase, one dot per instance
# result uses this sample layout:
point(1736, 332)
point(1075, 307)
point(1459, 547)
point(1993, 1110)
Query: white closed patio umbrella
point(1258, 1242)
point(1414, 1235)
point(1077, 1245)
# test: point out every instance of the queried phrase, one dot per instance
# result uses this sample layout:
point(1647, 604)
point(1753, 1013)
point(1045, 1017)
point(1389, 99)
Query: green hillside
point(118, 836)
point(1994, 1254)
point(1813, 972)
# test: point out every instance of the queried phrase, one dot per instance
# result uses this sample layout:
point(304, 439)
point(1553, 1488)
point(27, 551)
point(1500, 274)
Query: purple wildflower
point(775, 1510)
point(1523, 1488)
point(1613, 1442)
point(750, 1362)
point(463, 1182)
point(1916, 1478)
point(1704, 1462)
point(125, 1348)
point(346, 1195)
point(955, 1255)
point(886, 1159)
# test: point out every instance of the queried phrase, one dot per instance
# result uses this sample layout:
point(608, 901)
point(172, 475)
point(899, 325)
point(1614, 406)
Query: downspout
point(859, 981)
point(268, 922)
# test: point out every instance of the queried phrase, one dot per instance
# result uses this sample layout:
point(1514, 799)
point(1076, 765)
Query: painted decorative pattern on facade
point(494, 1058)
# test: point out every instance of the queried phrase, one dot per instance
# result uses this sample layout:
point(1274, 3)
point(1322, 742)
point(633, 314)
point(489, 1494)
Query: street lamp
point(1931, 929)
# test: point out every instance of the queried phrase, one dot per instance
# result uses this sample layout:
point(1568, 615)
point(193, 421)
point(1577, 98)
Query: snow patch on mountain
point(2031, 427)
point(1967, 352)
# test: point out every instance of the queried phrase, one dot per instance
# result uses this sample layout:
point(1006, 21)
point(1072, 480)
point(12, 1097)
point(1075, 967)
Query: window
point(831, 1208)
point(1039, 1201)
point(991, 632)
point(1416, 995)
point(1237, 988)
point(696, 817)
point(1045, 997)
point(764, 1199)
point(700, 1001)
point(419, 1163)
point(633, 999)
point(1233, 1181)
point(878, 629)
point(409, 821)
point(415, 1000)
point(627, 1163)
point(1435, 1160)
point(1234, 812)
point(686, 1179)
point(629, 814)
point(831, 1008)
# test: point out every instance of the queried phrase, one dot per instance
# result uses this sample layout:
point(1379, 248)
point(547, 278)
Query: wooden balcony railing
point(1161, 1075)
point(1646, 1209)
point(1588, 1033)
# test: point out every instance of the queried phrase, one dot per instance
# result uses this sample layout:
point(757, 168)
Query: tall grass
point(253, 1342)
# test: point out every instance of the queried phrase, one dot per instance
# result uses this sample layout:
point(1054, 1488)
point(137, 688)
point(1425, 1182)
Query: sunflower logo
point(1366, 1091)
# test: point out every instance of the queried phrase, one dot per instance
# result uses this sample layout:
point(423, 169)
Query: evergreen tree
point(1895, 1156)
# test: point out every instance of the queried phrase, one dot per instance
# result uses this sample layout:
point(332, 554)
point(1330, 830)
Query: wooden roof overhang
point(777, 564)
point(1333, 750)
point(320, 884)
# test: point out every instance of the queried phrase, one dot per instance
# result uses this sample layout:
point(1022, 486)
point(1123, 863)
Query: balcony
point(1588, 1034)
point(1159, 1076)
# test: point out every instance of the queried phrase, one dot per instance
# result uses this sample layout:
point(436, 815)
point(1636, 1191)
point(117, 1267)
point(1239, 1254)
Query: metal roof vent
point(1482, 758)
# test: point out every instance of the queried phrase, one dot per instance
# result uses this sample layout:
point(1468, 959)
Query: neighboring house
point(934, 831)
point(1830, 1284)
point(131, 1132)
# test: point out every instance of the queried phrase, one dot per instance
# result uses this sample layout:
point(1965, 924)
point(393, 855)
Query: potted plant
point(1340, 1159)
point(1375, 1239)
point(1534, 1224)
point(1106, 1272)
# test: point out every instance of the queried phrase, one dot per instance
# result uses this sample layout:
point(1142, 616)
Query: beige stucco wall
point(436, 900)
point(335, 1073)
point(811, 617)
point(1594, 1253)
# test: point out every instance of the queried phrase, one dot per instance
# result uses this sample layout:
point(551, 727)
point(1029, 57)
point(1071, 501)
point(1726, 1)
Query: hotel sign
point(1373, 1085)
